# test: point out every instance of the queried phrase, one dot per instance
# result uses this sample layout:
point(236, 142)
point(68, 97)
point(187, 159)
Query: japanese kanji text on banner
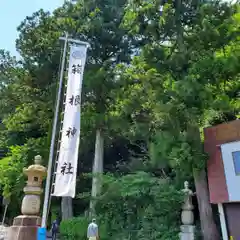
point(65, 180)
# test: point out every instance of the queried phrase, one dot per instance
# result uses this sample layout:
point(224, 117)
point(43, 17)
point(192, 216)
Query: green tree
point(174, 88)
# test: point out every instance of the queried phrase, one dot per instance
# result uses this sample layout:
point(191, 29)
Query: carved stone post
point(187, 217)
point(25, 226)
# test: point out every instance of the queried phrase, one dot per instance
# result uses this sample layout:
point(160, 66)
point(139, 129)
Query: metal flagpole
point(42, 232)
point(51, 154)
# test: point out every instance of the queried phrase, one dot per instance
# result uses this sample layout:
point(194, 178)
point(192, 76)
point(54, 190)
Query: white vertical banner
point(65, 180)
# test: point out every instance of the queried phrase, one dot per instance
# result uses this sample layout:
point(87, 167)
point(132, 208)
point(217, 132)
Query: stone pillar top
point(186, 189)
point(38, 159)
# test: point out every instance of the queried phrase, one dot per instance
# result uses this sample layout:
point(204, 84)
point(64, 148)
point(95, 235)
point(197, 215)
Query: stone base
point(186, 236)
point(24, 228)
point(187, 232)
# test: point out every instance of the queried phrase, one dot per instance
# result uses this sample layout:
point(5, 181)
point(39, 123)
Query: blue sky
point(12, 12)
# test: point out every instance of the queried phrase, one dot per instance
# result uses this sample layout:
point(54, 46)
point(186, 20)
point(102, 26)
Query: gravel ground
point(49, 236)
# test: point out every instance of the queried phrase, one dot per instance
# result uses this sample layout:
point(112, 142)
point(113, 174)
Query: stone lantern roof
point(36, 168)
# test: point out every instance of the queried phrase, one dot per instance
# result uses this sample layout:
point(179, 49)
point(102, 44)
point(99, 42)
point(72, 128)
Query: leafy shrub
point(75, 228)
point(140, 206)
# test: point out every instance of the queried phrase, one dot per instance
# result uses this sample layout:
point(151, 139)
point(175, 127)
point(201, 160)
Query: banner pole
point(50, 161)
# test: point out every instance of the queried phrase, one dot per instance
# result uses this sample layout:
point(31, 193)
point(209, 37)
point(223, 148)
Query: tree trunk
point(67, 209)
point(97, 170)
point(208, 225)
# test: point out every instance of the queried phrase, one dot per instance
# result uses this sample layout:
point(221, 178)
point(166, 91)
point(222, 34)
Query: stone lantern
point(31, 202)
point(26, 225)
point(187, 216)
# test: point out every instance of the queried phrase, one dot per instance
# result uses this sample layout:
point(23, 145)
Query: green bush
point(74, 229)
point(139, 206)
